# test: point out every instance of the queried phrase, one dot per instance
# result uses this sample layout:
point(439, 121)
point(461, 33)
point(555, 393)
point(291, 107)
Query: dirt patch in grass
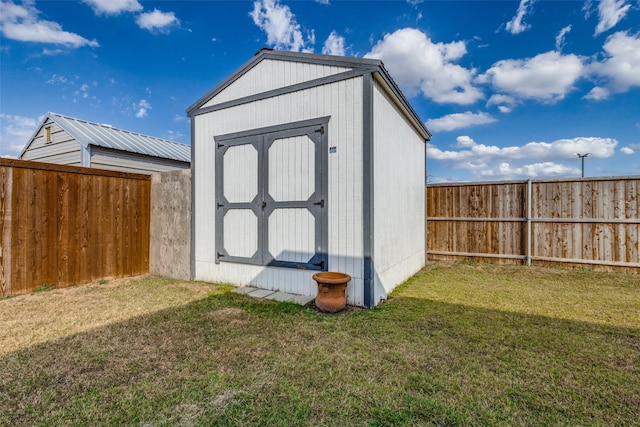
point(39, 317)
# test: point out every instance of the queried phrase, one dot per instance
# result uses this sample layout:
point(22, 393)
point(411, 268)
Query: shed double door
point(271, 187)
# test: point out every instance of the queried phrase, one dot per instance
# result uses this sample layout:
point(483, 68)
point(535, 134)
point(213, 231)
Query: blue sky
point(509, 89)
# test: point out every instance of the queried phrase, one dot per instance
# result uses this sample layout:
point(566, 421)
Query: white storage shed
point(305, 163)
point(70, 141)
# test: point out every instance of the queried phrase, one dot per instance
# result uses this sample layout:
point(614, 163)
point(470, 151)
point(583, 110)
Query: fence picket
point(574, 221)
point(68, 225)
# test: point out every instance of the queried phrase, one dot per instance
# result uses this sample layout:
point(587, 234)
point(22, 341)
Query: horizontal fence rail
point(592, 221)
point(65, 225)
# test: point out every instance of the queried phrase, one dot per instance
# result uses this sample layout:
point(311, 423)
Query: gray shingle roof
point(87, 133)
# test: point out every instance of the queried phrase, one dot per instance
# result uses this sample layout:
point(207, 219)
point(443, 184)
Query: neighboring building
point(308, 162)
point(70, 141)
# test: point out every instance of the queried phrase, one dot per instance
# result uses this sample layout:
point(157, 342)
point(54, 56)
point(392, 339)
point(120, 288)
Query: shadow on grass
point(232, 360)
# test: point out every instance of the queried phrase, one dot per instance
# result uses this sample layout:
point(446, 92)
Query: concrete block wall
point(170, 233)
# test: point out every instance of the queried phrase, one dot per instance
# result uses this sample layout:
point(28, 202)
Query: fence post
point(529, 194)
point(6, 208)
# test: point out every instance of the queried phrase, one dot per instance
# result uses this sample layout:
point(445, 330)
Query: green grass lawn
point(462, 344)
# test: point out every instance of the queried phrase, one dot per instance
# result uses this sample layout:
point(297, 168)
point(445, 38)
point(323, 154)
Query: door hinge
point(219, 255)
point(321, 130)
point(320, 203)
point(319, 264)
point(219, 205)
point(264, 205)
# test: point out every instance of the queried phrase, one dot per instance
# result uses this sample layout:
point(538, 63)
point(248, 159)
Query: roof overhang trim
point(359, 67)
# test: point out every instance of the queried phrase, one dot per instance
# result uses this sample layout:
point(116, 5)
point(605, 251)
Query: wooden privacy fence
point(580, 221)
point(65, 225)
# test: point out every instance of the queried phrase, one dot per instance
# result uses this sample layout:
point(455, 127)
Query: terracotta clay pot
point(332, 291)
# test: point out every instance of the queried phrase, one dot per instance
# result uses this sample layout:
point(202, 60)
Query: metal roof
point(87, 133)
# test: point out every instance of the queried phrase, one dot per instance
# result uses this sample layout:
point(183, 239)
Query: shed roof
point(361, 65)
point(87, 133)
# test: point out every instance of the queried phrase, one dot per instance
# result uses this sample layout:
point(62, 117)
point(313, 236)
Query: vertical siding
point(292, 169)
point(343, 102)
point(240, 233)
point(272, 74)
point(399, 197)
point(240, 173)
point(292, 178)
point(292, 235)
point(204, 197)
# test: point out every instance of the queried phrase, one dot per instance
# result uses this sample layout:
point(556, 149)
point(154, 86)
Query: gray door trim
point(220, 139)
point(263, 205)
point(223, 205)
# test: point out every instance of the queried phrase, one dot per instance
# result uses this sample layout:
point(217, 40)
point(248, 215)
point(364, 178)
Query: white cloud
point(631, 149)
point(505, 103)
point(66, 85)
point(587, 9)
point(517, 24)
point(560, 37)
point(56, 78)
point(546, 169)
point(465, 141)
point(627, 150)
point(540, 158)
point(83, 92)
point(546, 77)
point(621, 67)
point(52, 52)
point(420, 66)
point(180, 118)
point(283, 32)
point(334, 45)
point(15, 132)
point(157, 20)
point(21, 23)
point(610, 12)
point(458, 121)
point(175, 135)
point(142, 108)
point(598, 94)
point(113, 7)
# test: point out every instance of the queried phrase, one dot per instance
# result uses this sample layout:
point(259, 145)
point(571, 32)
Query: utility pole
point(582, 156)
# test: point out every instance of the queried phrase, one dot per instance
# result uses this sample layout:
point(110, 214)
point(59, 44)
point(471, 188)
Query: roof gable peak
point(352, 63)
